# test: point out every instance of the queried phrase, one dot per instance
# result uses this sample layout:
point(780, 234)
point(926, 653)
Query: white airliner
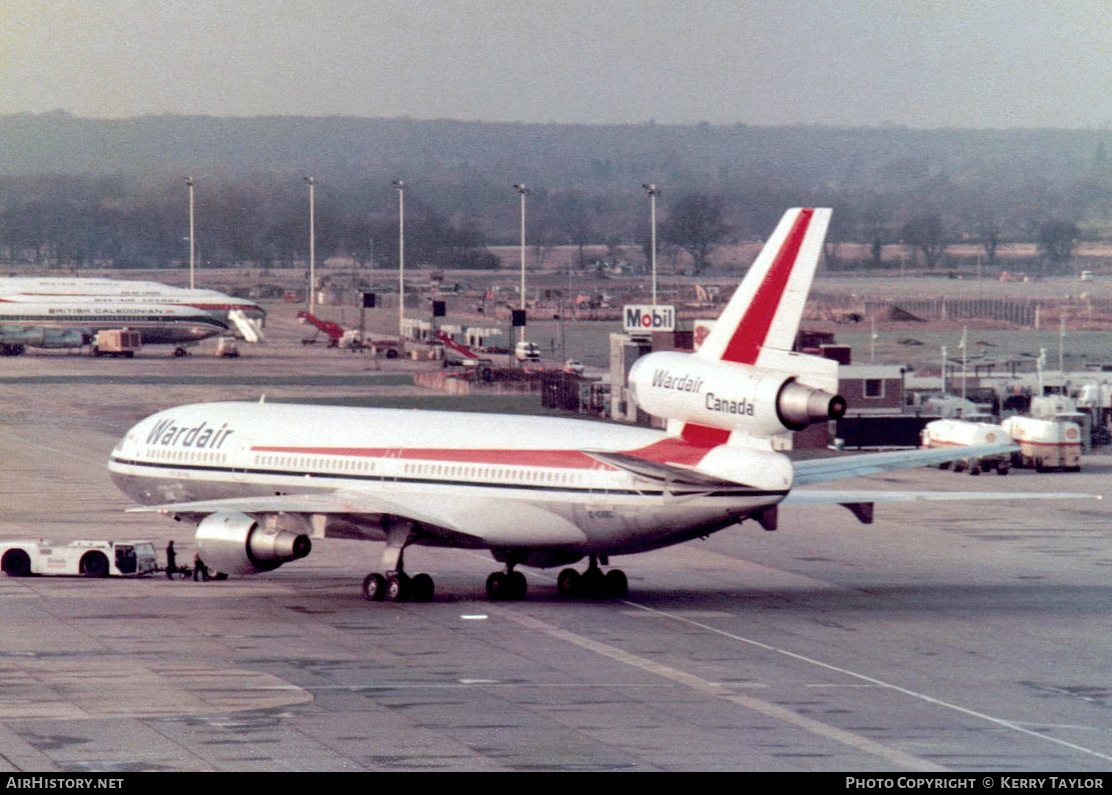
point(261, 480)
point(70, 323)
point(121, 292)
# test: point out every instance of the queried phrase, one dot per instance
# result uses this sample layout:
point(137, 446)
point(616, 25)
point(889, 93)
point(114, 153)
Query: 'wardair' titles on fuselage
point(168, 433)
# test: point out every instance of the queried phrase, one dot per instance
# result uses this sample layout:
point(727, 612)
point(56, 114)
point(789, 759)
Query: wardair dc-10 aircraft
point(262, 480)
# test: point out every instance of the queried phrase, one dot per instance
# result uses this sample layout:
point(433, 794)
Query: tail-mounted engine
point(728, 395)
point(235, 543)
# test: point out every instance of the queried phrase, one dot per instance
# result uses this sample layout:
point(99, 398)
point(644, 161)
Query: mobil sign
point(646, 318)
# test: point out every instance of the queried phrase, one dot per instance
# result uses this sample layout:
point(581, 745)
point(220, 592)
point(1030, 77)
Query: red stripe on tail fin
point(750, 334)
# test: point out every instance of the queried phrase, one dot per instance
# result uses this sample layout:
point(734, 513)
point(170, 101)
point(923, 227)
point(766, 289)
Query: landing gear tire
point(16, 563)
point(617, 586)
point(593, 582)
point(374, 587)
point(95, 564)
point(397, 588)
point(421, 588)
point(567, 584)
point(497, 587)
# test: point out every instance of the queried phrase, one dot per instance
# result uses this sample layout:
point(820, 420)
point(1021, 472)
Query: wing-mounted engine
point(43, 337)
point(235, 543)
point(729, 395)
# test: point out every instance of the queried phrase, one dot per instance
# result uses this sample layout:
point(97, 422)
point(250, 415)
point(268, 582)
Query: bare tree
point(695, 224)
point(1057, 240)
point(925, 233)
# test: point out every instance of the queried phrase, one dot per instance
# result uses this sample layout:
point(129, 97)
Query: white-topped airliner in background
point(73, 322)
point(261, 480)
point(44, 289)
point(242, 315)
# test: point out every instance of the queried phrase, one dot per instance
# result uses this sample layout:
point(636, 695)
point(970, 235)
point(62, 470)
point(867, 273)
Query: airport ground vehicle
point(962, 433)
point(116, 342)
point(85, 558)
point(227, 348)
point(527, 352)
point(1045, 444)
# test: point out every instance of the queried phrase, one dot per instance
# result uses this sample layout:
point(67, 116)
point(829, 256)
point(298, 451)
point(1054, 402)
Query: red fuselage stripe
point(671, 450)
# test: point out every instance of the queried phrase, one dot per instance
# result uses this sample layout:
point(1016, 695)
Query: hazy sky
point(946, 63)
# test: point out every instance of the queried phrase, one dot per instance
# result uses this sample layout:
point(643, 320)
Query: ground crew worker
point(200, 570)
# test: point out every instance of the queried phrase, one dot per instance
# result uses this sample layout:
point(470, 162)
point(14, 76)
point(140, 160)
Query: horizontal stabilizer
point(821, 470)
point(840, 497)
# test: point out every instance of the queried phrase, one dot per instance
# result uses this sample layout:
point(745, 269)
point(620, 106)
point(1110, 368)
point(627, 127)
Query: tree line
point(116, 195)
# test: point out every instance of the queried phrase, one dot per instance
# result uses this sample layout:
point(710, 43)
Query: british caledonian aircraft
point(70, 323)
point(116, 291)
point(260, 480)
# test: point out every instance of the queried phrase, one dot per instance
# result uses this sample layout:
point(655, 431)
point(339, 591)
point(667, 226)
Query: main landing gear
point(501, 586)
point(398, 587)
point(593, 583)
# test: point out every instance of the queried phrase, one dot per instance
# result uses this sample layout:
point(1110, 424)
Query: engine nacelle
point(727, 395)
point(43, 337)
point(235, 543)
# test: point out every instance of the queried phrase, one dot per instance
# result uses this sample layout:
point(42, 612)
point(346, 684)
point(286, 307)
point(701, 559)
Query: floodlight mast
point(192, 236)
point(400, 185)
point(312, 245)
point(653, 192)
point(523, 192)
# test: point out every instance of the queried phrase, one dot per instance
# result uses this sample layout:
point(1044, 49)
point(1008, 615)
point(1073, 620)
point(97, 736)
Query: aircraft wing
point(332, 502)
point(462, 518)
point(822, 470)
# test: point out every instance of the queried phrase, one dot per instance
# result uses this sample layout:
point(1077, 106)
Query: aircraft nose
point(127, 438)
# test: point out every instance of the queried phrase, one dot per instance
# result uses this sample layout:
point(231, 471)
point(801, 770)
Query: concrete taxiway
point(956, 637)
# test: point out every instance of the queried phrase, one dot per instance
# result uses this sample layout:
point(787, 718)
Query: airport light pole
point(523, 192)
point(312, 245)
point(400, 185)
point(192, 237)
point(653, 192)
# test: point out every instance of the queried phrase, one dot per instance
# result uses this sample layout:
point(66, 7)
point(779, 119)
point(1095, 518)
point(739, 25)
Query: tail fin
point(765, 311)
point(745, 386)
